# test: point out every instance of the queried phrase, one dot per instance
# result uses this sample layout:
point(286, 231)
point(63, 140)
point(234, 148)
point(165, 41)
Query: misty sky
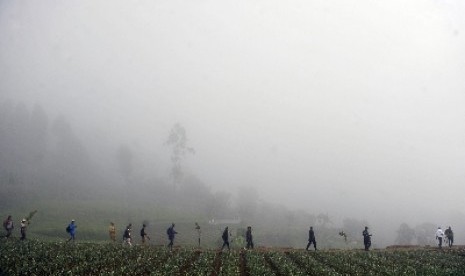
point(355, 108)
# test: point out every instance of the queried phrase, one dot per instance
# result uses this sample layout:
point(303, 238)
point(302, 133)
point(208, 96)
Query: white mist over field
point(350, 108)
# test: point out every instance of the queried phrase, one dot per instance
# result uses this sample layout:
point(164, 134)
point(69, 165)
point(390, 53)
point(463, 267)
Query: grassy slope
point(92, 218)
point(101, 206)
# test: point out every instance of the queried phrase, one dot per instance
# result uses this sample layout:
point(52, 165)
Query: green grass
point(93, 218)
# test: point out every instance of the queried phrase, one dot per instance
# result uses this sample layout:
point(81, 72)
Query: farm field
point(59, 258)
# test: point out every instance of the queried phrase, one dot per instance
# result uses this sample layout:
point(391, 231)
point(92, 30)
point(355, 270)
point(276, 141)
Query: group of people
point(171, 233)
point(8, 225)
point(449, 234)
point(248, 238)
point(127, 234)
point(366, 238)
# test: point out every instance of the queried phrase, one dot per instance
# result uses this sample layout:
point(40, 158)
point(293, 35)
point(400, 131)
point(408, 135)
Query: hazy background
point(350, 108)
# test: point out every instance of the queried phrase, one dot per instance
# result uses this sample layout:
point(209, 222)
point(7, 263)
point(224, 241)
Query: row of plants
point(348, 262)
point(414, 262)
point(283, 265)
point(424, 262)
point(310, 264)
point(38, 258)
point(256, 264)
point(230, 263)
point(52, 258)
point(204, 264)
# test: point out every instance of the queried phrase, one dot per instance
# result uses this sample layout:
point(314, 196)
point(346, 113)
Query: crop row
point(38, 258)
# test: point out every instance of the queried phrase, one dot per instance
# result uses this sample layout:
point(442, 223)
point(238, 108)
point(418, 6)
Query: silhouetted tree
point(38, 134)
point(425, 233)
point(17, 139)
point(218, 206)
point(177, 139)
point(70, 159)
point(247, 201)
point(405, 234)
point(195, 194)
point(323, 219)
point(23, 137)
point(7, 136)
point(124, 158)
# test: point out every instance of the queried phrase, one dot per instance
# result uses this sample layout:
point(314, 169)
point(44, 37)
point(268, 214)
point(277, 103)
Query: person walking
point(9, 226)
point(450, 236)
point(439, 236)
point(366, 238)
point(311, 238)
point(71, 229)
point(249, 238)
point(199, 232)
point(127, 235)
point(171, 234)
point(143, 234)
point(24, 224)
point(112, 231)
point(225, 238)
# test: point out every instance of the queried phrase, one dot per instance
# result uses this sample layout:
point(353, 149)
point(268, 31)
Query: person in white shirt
point(439, 236)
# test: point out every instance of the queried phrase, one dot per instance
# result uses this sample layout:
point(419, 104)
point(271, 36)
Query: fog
point(348, 108)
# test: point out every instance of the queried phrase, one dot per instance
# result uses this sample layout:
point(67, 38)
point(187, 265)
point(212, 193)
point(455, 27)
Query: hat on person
point(24, 220)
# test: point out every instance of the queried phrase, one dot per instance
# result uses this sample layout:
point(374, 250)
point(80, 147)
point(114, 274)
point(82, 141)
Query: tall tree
point(177, 140)
point(323, 219)
point(405, 234)
point(18, 142)
point(218, 206)
point(425, 233)
point(247, 201)
point(71, 159)
point(124, 158)
point(38, 133)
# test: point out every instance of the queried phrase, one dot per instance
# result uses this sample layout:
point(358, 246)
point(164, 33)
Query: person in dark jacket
point(450, 236)
point(127, 235)
point(72, 230)
point(171, 233)
point(8, 225)
point(366, 238)
point(311, 238)
point(225, 238)
point(143, 234)
point(248, 238)
point(199, 232)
